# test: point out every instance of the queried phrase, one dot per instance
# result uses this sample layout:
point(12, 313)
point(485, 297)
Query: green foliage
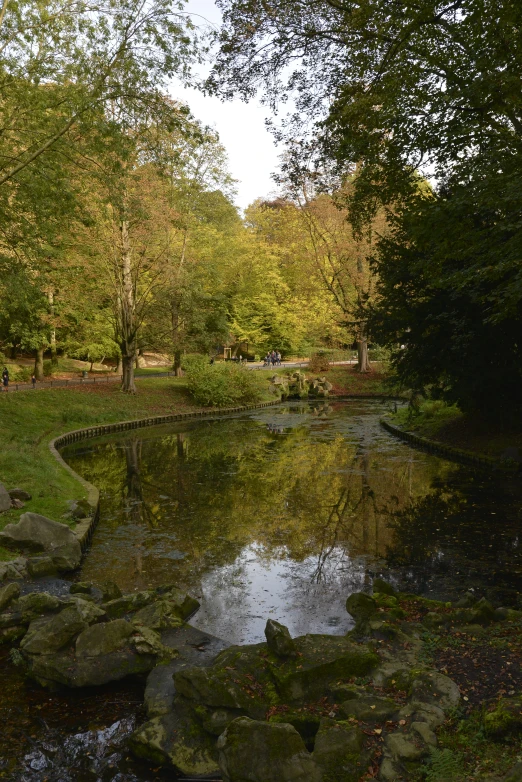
point(48, 368)
point(443, 764)
point(223, 384)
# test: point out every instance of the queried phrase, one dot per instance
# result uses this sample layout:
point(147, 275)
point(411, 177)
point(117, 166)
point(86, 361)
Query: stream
point(276, 513)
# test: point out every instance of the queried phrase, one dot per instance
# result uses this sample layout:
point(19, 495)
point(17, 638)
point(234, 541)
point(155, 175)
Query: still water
point(280, 512)
point(285, 511)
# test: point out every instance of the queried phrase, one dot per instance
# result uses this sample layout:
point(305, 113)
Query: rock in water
point(5, 499)
point(252, 751)
point(103, 638)
point(38, 533)
point(279, 639)
point(46, 636)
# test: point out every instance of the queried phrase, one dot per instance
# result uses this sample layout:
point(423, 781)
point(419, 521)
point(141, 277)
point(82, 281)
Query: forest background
point(118, 227)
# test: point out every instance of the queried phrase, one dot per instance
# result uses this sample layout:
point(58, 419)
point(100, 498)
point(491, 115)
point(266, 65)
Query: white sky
point(252, 154)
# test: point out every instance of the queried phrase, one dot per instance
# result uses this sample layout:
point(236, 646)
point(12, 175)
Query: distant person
point(5, 379)
point(33, 380)
point(211, 360)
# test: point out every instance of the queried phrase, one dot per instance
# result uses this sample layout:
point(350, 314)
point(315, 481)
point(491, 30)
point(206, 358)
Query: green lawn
point(29, 420)
point(448, 425)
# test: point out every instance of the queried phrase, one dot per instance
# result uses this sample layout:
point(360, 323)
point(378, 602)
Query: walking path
point(103, 379)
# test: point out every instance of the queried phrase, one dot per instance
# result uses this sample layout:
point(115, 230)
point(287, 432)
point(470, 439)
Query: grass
point(31, 419)
point(447, 424)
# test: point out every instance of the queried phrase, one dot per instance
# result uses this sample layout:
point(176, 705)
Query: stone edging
point(455, 454)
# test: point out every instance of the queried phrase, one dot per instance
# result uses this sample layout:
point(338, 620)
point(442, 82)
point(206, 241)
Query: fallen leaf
point(378, 731)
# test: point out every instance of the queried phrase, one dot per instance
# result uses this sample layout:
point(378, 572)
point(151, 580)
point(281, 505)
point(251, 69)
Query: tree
point(451, 293)
point(393, 86)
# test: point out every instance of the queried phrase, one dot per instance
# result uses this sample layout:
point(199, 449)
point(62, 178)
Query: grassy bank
point(31, 419)
point(447, 424)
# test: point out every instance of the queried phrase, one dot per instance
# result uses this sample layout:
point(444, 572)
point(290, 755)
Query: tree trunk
point(363, 363)
point(177, 363)
point(38, 364)
point(54, 356)
point(127, 312)
point(119, 368)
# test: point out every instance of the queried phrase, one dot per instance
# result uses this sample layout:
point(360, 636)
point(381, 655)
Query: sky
point(252, 153)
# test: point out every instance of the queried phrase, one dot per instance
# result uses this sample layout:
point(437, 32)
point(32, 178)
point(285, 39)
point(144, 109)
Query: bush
point(47, 368)
point(319, 363)
point(223, 384)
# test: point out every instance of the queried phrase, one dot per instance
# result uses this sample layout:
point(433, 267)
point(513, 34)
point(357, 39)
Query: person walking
point(5, 379)
point(33, 380)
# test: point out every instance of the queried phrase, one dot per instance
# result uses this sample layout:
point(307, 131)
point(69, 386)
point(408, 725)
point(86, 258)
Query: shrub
point(319, 363)
point(48, 368)
point(193, 360)
point(222, 384)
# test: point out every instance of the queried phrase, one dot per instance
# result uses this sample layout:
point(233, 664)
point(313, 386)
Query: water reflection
point(284, 512)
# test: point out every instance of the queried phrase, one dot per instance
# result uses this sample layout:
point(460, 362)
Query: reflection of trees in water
point(467, 526)
point(217, 488)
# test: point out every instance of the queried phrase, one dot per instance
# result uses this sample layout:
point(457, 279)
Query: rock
point(185, 605)
point(238, 679)
point(390, 771)
point(176, 740)
point(15, 569)
point(110, 591)
point(62, 668)
point(432, 715)
point(403, 747)
point(8, 594)
point(279, 639)
point(382, 587)
point(127, 604)
point(435, 688)
point(37, 533)
point(160, 615)
point(361, 606)
point(514, 774)
point(81, 588)
point(306, 724)
point(41, 566)
point(482, 613)
point(505, 718)
point(425, 732)
point(79, 509)
point(104, 638)
point(392, 674)
point(146, 641)
point(339, 752)
point(5, 499)
point(89, 611)
point(466, 601)
point(18, 504)
point(322, 660)
point(48, 635)
point(34, 604)
point(20, 494)
point(252, 751)
point(10, 634)
point(370, 708)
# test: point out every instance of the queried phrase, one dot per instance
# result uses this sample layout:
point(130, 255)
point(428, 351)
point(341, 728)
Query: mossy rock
point(239, 679)
point(305, 723)
point(383, 587)
point(255, 751)
point(361, 606)
point(128, 604)
point(339, 751)
point(176, 740)
point(505, 718)
point(370, 708)
point(384, 601)
point(322, 660)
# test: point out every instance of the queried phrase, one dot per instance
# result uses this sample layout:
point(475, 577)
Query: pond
point(283, 512)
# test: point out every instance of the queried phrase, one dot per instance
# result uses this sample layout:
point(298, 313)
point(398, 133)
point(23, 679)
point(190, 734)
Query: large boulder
point(252, 751)
point(435, 688)
point(370, 708)
point(48, 635)
point(321, 660)
point(103, 638)
point(38, 533)
point(339, 751)
point(5, 499)
point(361, 606)
point(160, 615)
point(175, 739)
